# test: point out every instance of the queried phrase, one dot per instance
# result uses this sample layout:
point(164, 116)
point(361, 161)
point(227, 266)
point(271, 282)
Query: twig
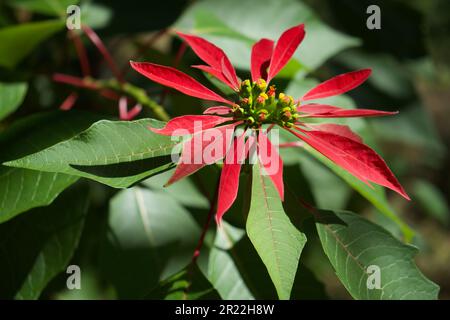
point(212, 209)
point(92, 35)
point(109, 87)
point(81, 53)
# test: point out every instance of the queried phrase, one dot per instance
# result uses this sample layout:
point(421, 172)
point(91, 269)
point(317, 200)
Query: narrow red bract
point(339, 129)
point(355, 157)
point(192, 157)
point(178, 80)
point(285, 48)
point(215, 73)
point(184, 125)
point(327, 111)
point(222, 110)
point(229, 178)
point(268, 159)
point(213, 56)
point(257, 104)
point(261, 54)
point(338, 85)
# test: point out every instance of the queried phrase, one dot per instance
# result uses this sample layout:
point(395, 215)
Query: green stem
point(138, 94)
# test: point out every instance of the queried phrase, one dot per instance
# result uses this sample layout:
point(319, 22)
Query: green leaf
point(48, 7)
point(184, 191)
point(95, 15)
point(222, 270)
point(376, 195)
point(353, 244)
point(16, 42)
point(23, 189)
point(116, 153)
point(150, 240)
point(235, 25)
point(11, 97)
point(38, 246)
point(188, 284)
point(431, 200)
point(276, 239)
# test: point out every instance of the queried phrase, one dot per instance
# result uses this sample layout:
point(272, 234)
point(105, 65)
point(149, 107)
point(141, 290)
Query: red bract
point(257, 105)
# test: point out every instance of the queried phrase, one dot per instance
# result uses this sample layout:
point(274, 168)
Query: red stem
point(74, 81)
point(92, 35)
point(142, 50)
point(212, 209)
point(81, 53)
point(176, 62)
point(69, 102)
point(85, 84)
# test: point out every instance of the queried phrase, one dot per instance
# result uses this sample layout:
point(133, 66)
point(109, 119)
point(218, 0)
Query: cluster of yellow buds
point(258, 105)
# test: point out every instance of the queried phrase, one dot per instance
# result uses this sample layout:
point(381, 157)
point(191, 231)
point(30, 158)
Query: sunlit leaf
point(361, 251)
point(115, 153)
point(22, 189)
point(276, 239)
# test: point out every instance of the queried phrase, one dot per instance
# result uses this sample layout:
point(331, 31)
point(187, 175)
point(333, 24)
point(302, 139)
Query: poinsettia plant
point(256, 104)
point(129, 197)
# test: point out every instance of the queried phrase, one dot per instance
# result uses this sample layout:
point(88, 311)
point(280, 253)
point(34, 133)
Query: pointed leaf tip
point(285, 48)
point(338, 85)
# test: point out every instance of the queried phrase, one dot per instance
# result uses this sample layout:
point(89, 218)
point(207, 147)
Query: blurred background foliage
point(411, 73)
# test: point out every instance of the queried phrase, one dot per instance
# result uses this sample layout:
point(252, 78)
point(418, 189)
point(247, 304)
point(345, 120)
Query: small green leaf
point(188, 284)
point(359, 249)
point(37, 246)
point(276, 239)
point(116, 153)
point(11, 97)
point(431, 200)
point(16, 42)
point(23, 189)
point(222, 270)
point(48, 7)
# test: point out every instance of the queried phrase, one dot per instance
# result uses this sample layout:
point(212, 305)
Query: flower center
point(259, 104)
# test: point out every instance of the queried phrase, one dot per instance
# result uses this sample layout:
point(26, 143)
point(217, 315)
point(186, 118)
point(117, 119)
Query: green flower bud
point(246, 88)
point(261, 84)
point(250, 120)
point(262, 114)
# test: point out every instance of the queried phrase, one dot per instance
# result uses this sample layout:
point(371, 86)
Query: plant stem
point(212, 209)
point(136, 93)
point(140, 96)
point(95, 39)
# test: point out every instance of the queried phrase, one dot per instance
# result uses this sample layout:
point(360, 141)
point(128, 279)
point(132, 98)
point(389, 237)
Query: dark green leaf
point(432, 201)
point(18, 41)
point(37, 246)
point(116, 153)
point(48, 7)
point(353, 244)
point(11, 97)
point(188, 284)
point(23, 189)
point(151, 237)
point(222, 270)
